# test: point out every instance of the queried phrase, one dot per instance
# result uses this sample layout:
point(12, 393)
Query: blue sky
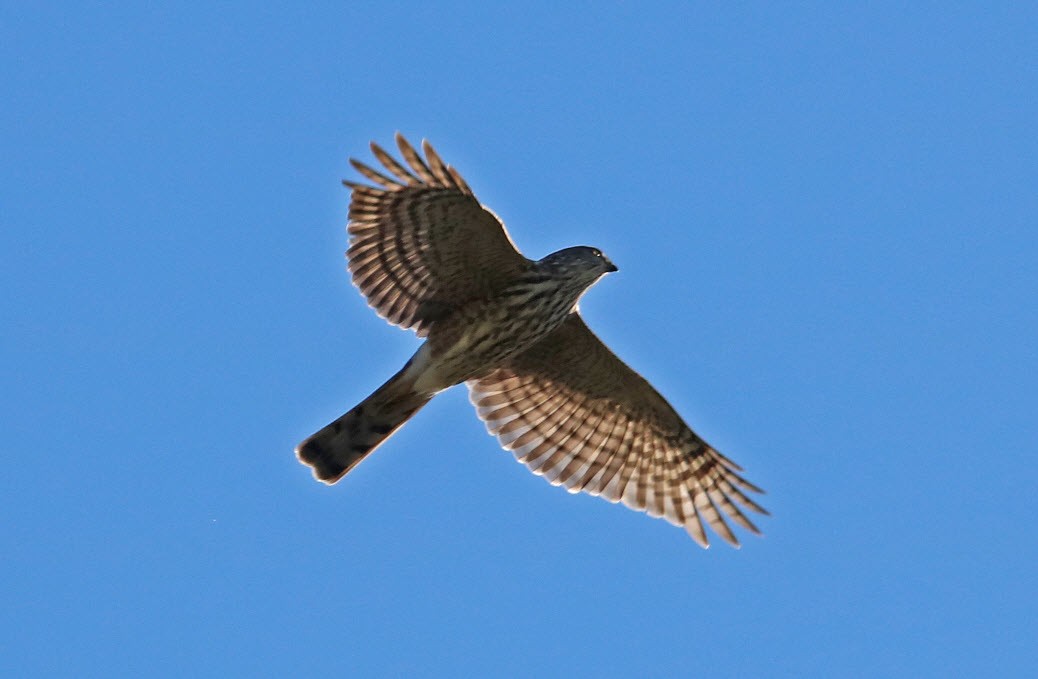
point(826, 223)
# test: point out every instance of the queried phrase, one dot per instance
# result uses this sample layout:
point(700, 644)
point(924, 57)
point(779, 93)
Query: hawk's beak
point(612, 267)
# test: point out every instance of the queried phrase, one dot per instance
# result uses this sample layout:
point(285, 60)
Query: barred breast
point(480, 335)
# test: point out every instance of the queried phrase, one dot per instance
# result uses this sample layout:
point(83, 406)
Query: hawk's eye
point(596, 253)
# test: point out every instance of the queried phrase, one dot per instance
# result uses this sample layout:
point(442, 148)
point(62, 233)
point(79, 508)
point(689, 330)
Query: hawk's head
point(582, 263)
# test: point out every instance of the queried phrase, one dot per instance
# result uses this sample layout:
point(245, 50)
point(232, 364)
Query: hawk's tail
point(339, 447)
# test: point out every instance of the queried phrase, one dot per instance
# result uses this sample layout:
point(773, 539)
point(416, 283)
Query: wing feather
point(390, 163)
point(575, 414)
point(420, 243)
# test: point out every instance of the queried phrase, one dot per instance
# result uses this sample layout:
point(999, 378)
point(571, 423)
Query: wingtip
point(729, 537)
point(695, 530)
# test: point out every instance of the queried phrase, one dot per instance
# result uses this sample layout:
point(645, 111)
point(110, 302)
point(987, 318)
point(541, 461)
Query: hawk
point(428, 256)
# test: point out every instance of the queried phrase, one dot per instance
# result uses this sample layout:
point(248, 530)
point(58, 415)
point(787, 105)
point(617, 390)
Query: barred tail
point(339, 447)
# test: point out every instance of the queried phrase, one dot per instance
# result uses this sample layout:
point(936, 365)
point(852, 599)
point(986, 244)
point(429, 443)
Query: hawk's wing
point(420, 242)
point(574, 413)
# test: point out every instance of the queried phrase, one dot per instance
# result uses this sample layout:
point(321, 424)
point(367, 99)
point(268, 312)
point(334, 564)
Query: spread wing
point(574, 413)
point(420, 242)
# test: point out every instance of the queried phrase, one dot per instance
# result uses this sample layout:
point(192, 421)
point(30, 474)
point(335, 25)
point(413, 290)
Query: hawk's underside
point(428, 256)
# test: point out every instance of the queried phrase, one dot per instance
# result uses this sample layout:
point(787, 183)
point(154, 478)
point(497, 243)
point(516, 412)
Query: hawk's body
point(428, 256)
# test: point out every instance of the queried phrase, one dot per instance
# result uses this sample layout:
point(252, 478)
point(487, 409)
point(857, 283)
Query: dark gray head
point(581, 263)
point(565, 276)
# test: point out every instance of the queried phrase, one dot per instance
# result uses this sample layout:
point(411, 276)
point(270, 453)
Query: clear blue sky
point(826, 223)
